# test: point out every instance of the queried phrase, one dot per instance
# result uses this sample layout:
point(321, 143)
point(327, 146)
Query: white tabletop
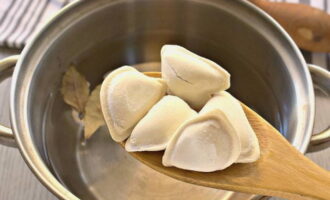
point(17, 182)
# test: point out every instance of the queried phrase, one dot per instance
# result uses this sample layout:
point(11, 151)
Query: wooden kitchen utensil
point(281, 170)
point(309, 27)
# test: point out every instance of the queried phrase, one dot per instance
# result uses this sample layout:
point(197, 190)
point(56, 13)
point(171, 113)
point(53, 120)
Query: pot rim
point(19, 115)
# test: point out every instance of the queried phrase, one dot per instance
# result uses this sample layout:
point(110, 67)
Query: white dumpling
point(126, 96)
point(231, 107)
point(206, 143)
point(191, 77)
point(155, 129)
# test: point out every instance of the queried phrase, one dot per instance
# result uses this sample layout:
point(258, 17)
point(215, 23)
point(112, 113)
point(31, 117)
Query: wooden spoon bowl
point(281, 170)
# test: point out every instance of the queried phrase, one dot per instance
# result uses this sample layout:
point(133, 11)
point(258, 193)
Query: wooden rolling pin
point(309, 27)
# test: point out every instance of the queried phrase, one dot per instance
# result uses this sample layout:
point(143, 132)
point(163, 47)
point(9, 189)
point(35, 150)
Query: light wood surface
point(308, 26)
point(17, 182)
point(281, 170)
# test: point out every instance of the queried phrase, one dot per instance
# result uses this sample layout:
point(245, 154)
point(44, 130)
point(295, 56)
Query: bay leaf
point(75, 89)
point(93, 118)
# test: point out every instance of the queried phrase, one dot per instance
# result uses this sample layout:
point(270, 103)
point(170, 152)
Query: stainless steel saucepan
point(268, 73)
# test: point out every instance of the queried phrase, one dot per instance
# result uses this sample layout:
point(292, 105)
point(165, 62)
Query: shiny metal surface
point(321, 80)
point(104, 168)
point(6, 134)
point(319, 151)
point(269, 74)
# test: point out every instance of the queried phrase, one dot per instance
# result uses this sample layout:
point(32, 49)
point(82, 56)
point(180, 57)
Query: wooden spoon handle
point(308, 26)
point(281, 170)
point(303, 178)
point(285, 172)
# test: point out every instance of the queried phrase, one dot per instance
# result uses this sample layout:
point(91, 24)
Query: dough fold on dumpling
point(206, 143)
point(126, 96)
point(191, 77)
point(155, 129)
point(231, 107)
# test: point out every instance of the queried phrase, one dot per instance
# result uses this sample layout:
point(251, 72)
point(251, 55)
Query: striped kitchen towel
point(19, 19)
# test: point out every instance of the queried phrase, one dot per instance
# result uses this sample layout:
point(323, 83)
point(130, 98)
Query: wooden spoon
point(309, 27)
point(281, 170)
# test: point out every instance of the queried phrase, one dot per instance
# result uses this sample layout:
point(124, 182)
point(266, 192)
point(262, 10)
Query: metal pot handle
point(6, 135)
point(320, 77)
